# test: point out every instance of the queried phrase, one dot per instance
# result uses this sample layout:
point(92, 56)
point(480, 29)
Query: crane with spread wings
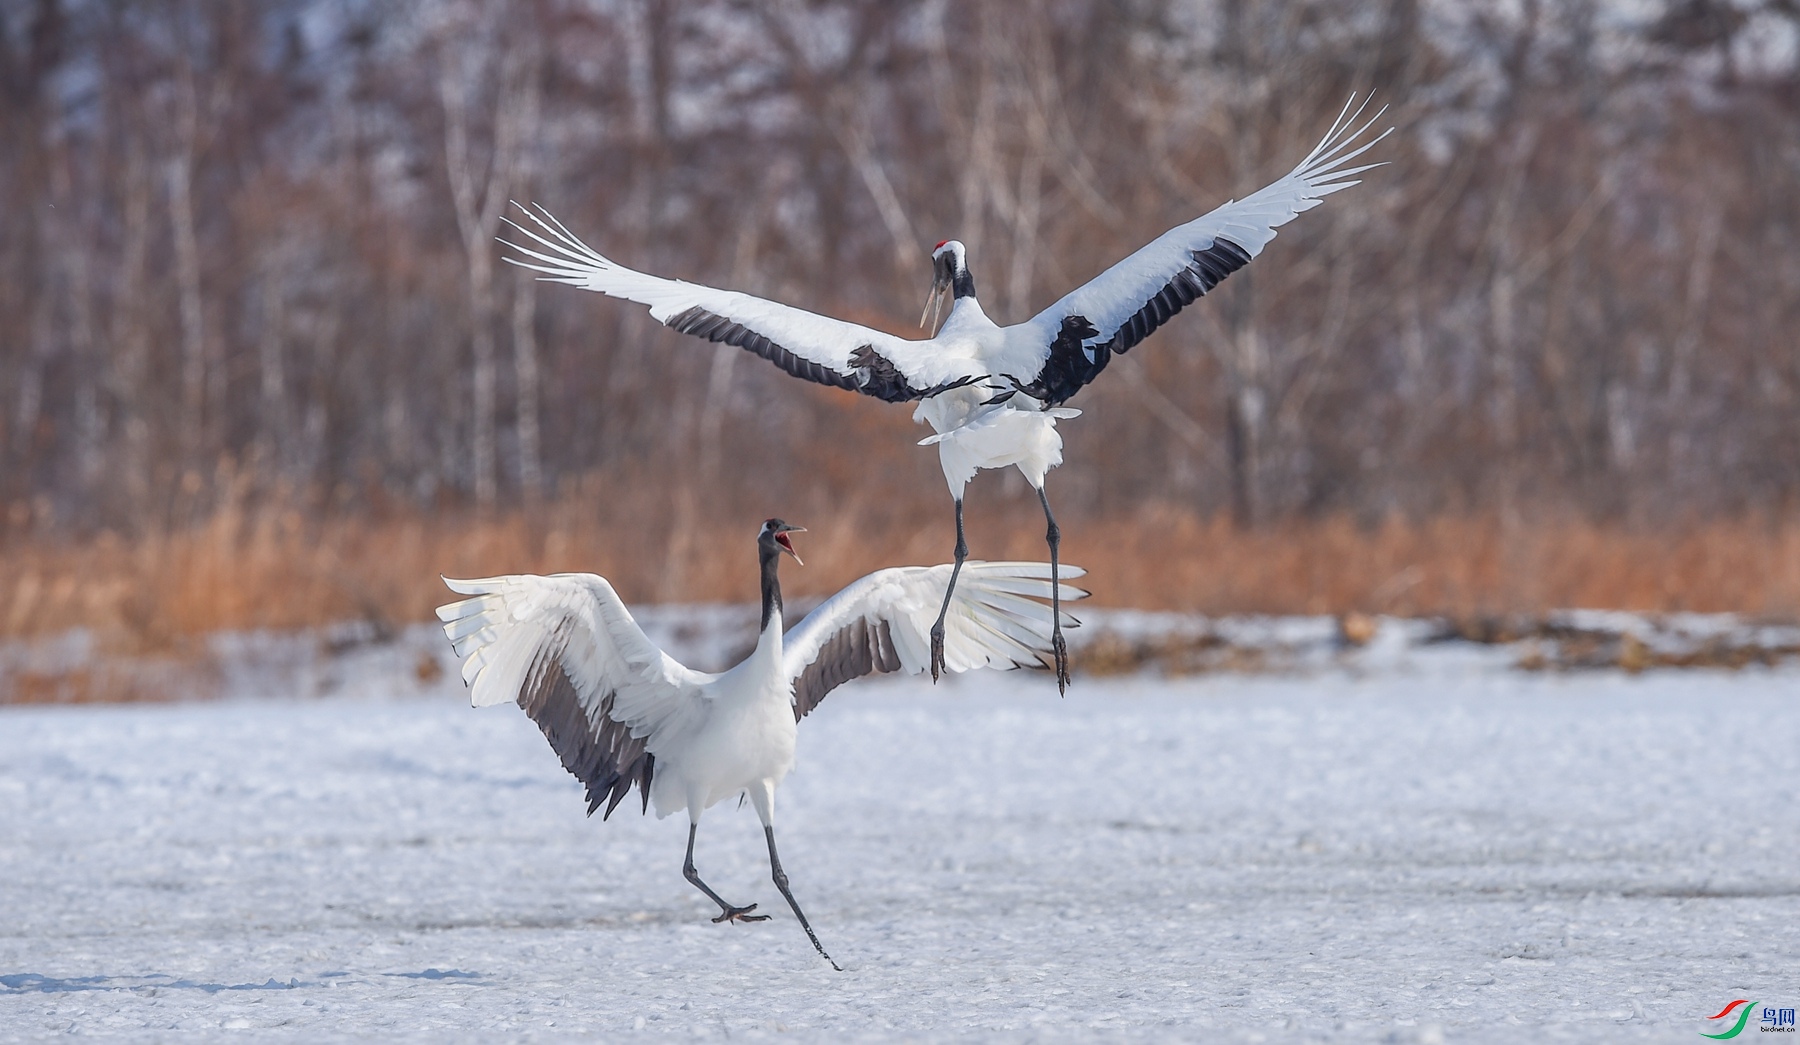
point(621, 713)
point(991, 394)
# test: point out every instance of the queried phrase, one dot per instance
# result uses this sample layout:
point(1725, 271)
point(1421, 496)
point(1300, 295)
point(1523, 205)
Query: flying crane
point(992, 394)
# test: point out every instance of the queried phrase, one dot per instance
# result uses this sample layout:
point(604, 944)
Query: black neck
point(771, 584)
point(963, 285)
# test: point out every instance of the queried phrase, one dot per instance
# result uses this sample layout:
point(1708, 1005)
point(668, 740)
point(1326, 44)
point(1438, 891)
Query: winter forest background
point(261, 364)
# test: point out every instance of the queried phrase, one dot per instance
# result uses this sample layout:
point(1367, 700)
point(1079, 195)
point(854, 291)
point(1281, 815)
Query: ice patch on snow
point(1384, 856)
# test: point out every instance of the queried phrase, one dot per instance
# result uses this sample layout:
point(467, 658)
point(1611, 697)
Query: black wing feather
point(857, 650)
point(875, 374)
point(1073, 364)
point(600, 753)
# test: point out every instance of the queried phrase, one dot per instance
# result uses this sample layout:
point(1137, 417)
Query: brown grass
point(283, 569)
point(1457, 566)
point(135, 680)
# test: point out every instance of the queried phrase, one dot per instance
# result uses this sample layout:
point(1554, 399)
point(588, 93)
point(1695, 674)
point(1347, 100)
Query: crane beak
point(940, 287)
point(781, 538)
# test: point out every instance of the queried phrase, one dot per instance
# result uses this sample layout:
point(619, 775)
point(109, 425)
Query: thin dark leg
point(726, 911)
point(937, 630)
point(781, 882)
point(1054, 537)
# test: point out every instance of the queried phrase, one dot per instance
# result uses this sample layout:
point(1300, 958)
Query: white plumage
point(992, 394)
point(620, 712)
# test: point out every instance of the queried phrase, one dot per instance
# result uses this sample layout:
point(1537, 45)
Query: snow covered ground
point(1444, 850)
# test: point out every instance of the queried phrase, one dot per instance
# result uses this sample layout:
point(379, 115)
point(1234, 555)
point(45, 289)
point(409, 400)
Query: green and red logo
point(1743, 1007)
point(1778, 1020)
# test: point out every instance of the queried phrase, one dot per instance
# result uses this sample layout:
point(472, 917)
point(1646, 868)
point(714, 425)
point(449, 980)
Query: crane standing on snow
point(621, 713)
point(992, 394)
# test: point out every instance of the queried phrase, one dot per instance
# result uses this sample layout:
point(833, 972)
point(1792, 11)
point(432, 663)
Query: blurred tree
point(263, 235)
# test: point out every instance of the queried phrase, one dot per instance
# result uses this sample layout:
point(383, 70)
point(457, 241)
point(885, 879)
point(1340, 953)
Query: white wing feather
point(1113, 297)
point(563, 258)
point(519, 624)
point(995, 620)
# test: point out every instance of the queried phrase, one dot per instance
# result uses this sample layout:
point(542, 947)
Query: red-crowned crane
point(622, 713)
point(992, 394)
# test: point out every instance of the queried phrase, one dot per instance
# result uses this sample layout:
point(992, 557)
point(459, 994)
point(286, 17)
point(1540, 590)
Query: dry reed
point(282, 569)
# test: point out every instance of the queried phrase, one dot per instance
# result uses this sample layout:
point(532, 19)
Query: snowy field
point(1466, 853)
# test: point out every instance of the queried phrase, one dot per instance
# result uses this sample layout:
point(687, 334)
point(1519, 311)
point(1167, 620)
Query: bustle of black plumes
point(608, 760)
point(1069, 367)
point(875, 374)
point(858, 650)
point(770, 555)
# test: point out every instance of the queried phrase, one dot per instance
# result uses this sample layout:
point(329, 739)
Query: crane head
point(946, 263)
point(776, 531)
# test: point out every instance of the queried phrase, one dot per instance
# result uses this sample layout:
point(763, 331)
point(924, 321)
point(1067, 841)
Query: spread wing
point(1123, 305)
point(882, 623)
point(566, 650)
point(805, 344)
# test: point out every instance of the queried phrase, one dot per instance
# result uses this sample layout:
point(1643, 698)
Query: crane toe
point(740, 914)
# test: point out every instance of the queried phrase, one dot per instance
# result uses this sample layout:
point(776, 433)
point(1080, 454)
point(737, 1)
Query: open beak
point(781, 538)
point(940, 288)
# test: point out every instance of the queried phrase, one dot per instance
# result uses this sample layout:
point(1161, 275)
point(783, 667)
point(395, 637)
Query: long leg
point(1053, 536)
point(726, 911)
point(781, 882)
point(937, 630)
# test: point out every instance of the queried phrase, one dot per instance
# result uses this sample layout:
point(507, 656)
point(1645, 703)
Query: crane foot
point(740, 914)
